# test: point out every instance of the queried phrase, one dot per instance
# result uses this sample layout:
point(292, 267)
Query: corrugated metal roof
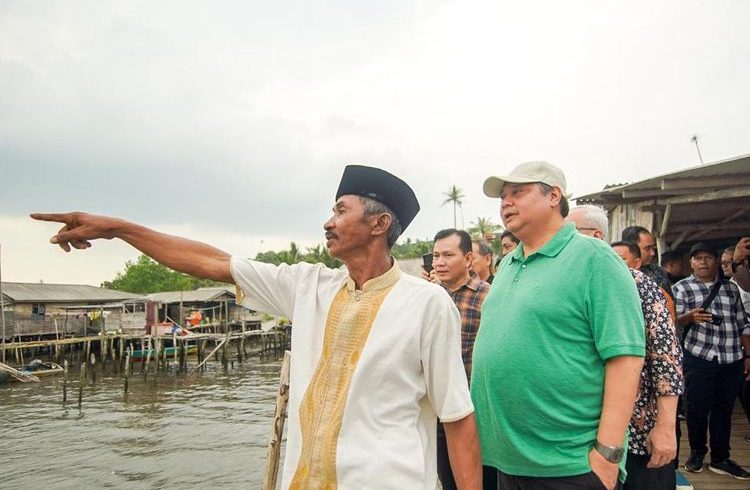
point(202, 295)
point(707, 202)
point(732, 172)
point(21, 292)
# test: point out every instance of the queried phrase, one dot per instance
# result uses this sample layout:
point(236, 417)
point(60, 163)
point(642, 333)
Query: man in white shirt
point(376, 353)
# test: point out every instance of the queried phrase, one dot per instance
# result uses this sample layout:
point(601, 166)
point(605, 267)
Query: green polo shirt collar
point(552, 247)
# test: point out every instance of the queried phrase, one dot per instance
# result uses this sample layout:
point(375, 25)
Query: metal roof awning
point(706, 202)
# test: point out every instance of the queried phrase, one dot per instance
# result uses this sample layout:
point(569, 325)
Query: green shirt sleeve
point(614, 308)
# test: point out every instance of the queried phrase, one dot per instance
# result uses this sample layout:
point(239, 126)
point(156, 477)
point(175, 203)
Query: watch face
point(611, 453)
point(617, 454)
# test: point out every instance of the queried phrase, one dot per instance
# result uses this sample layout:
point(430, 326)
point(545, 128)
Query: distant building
point(215, 305)
point(37, 309)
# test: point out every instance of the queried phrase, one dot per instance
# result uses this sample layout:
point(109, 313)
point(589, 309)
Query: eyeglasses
point(726, 262)
point(586, 229)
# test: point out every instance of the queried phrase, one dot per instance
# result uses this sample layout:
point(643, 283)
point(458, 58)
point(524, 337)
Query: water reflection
point(168, 432)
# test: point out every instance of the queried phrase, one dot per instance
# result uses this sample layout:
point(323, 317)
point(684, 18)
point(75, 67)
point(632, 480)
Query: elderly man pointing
point(377, 353)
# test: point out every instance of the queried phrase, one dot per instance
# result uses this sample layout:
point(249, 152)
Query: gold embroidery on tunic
point(348, 325)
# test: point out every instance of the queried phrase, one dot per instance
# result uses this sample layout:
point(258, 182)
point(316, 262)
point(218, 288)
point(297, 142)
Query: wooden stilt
point(273, 452)
point(65, 382)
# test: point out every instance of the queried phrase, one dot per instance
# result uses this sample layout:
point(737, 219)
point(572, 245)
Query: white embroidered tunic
point(370, 372)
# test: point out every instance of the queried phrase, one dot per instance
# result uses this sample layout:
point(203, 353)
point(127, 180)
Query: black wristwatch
point(613, 454)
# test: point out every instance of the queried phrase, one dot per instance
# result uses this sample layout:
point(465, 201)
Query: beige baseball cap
point(527, 173)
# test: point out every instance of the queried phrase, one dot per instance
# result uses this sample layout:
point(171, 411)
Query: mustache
point(330, 235)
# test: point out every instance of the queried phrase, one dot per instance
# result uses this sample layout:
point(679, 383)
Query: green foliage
point(410, 249)
point(314, 255)
point(481, 227)
point(146, 276)
point(319, 254)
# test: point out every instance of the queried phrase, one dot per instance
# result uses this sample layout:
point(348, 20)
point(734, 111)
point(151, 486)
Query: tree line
point(144, 275)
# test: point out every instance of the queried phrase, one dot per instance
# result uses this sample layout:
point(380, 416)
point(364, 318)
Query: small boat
point(139, 355)
point(39, 368)
point(30, 372)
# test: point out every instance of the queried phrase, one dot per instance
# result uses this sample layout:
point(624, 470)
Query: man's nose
point(328, 223)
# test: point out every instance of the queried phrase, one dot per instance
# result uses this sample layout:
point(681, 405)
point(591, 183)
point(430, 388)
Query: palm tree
point(290, 256)
point(482, 226)
point(455, 194)
point(319, 253)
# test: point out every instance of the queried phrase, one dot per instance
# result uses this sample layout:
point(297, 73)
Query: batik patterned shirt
point(662, 369)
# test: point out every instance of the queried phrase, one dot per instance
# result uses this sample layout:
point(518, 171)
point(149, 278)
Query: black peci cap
point(703, 247)
point(383, 187)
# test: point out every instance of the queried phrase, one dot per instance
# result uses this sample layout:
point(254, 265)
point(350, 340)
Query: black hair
point(670, 256)
point(633, 234)
point(632, 246)
point(465, 238)
point(508, 234)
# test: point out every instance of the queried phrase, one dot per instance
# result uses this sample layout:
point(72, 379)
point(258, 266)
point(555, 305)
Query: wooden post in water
point(183, 356)
point(273, 453)
point(143, 354)
point(157, 351)
point(225, 352)
point(81, 381)
point(65, 382)
point(126, 374)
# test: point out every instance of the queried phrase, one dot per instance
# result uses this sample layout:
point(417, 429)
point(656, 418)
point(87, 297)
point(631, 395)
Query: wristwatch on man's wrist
point(613, 454)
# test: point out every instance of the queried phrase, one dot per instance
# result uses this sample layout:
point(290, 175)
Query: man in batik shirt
point(652, 444)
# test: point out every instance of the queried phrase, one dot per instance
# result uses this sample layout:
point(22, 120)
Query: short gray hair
point(484, 247)
point(371, 206)
point(595, 217)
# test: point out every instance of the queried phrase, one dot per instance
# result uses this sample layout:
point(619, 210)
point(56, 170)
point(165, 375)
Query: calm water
point(170, 432)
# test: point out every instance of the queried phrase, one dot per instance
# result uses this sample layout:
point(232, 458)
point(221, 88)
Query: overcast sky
point(231, 122)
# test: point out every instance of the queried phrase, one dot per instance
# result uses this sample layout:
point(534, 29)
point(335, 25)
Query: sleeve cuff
point(629, 350)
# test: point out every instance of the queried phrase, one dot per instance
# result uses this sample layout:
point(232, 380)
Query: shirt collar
point(553, 247)
point(380, 282)
point(473, 283)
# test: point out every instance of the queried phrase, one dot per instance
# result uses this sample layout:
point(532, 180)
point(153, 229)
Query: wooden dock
point(115, 346)
point(707, 480)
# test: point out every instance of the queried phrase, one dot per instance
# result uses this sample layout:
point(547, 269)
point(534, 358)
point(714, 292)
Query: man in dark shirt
point(645, 241)
point(671, 262)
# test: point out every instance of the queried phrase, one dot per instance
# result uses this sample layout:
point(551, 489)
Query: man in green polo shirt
point(559, 352)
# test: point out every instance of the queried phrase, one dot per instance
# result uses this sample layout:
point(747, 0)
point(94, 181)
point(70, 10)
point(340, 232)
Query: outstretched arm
point(183, 255)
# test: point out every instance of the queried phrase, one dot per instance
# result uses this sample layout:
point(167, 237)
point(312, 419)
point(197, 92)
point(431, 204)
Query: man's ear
point(381, 225)
point(598, 234)
point(555, 196)
point(638, 263)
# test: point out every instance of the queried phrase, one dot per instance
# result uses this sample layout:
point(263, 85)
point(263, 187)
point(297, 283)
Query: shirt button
point(523, 266)
point(515, 280)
